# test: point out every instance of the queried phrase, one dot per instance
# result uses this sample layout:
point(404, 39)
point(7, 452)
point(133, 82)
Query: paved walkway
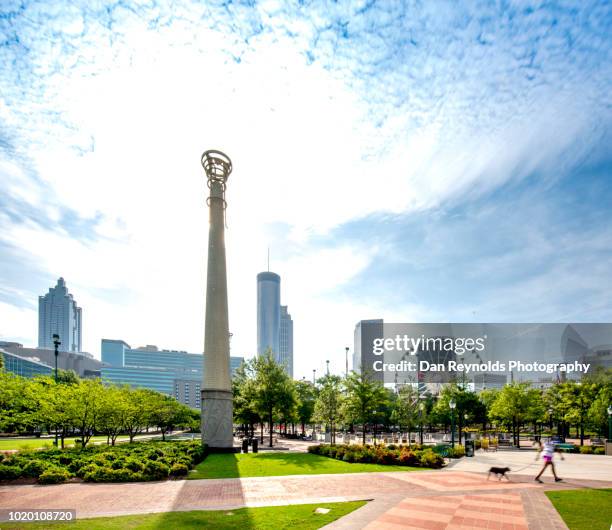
point(427, 499)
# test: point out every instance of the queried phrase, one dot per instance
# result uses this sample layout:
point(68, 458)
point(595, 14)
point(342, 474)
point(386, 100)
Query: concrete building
point(285, 343)
point(363, 357)
point(167, 371)
point(22, 366)
point(268, 313)
point(59, 314)
point(83, 363)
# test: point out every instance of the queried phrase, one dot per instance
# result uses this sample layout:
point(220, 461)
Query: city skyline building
point(268, 313)
point(59, 314)
point(285, 343)
point(173, 372)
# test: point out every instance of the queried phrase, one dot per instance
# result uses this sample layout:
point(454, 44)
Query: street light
point(327, 367)
point(452, 406)
point(56, 343)
point(314, 372)
point(609, 422)
point(375, 420)
point(421, 409)
point(346, 351)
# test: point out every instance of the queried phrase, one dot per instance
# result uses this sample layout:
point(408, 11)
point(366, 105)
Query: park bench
point(566, 448)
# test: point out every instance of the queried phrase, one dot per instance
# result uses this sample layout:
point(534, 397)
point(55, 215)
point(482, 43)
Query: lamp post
point(609, 422)
point(375, 420)
point(421, 409)
point(346, 359)
point(452, 406)
point(327, 367)
point(56, 343)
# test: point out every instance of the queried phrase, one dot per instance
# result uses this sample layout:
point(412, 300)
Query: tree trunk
point(363, 434)
point(262, 433)
point(270, 425)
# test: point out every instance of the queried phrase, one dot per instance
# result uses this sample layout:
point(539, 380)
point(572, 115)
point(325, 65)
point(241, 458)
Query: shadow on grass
point(201, 496)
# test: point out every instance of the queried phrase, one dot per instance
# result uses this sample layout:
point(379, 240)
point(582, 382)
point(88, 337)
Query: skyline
point(424, 164)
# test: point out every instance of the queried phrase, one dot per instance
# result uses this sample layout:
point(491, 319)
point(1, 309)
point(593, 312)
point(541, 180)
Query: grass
point(279, 464)
point(300, 516)
point(584, 509)
point(7, 444)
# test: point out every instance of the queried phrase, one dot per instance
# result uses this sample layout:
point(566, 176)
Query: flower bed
point(135, 462)
point(399, 455)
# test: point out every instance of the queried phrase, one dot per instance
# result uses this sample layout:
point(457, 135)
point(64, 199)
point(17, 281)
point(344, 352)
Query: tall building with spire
point(268, 312)
point(274, 324)
point(59, 313)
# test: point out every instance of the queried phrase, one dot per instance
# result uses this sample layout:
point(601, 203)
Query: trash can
point(245, 445)
point(469, 448)
point(255, 443)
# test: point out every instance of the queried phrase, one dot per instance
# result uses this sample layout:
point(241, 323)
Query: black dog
point(499, 472)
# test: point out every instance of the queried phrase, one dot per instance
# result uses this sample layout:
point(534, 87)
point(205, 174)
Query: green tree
point(576, 400)
point(515, 404)
point(306, 397)
point(166, 413)
point(271, 388)
point(83, 405)
point(136, 411)
point(364, 397)
point(328, 404)
point(112, 410)
point(245, 406)
point(406, 409)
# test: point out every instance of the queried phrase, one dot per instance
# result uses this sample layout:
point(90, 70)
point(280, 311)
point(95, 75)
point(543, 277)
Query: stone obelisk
point(217, 425)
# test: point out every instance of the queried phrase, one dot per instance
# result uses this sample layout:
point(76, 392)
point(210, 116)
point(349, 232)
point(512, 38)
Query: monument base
point(217, 420)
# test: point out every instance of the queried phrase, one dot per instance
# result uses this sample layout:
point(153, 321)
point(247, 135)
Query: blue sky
point(417, 161)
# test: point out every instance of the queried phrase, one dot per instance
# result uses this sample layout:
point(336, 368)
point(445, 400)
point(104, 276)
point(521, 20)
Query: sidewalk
point(420, 499)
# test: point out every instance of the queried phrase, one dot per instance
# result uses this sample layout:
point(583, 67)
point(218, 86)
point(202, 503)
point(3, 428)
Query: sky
point(412, 161)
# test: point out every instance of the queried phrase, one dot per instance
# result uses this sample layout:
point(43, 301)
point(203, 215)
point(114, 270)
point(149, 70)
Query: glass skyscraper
point(285, 353)
point(176, 373)
point(58, 313)
point(268, 313)
point(274, 324)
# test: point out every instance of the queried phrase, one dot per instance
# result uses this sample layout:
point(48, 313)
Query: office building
point(363, 356)
point(23, 366)
point(285, 343)
point(82, 363)
point(59, 314)
point(268, 313)
point(172, 372)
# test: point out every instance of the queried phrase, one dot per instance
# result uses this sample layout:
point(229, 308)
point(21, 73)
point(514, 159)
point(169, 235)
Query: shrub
point(179, 470)
point(407, 458)
point(430, 459)
point(599, 451)
point(312, 449)
point(154, 470)
point(9, 472)
point(349, 457)
point(340, 452)
point(34, 468)
point(53, 475)
point(586, 450)
point(457, 452)
point(392, 447)
point(134, 465)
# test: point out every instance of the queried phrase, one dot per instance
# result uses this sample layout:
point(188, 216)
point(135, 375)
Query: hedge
point(380, 454)
point(140, 461)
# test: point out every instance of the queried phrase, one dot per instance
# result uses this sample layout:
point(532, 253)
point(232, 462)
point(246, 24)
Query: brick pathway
point(428, 499)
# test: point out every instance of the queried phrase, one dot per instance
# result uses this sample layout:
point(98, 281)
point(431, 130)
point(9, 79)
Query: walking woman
point(548, 453)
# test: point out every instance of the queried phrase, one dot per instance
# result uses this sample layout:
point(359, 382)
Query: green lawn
point(300, 516)
point(278, 464)
point(584, 509)
point(7, 444)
